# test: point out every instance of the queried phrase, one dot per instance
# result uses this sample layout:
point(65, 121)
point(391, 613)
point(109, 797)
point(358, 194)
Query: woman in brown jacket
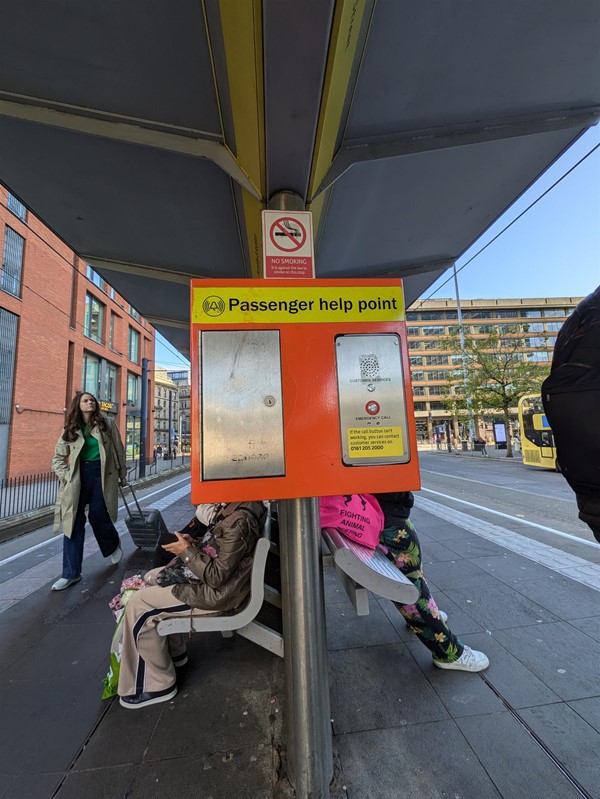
point(89, 460)
point(216, 570)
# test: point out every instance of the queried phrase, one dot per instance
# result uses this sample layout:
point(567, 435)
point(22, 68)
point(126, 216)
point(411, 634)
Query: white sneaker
point(470, 660)
point(443, 616)
point(116, 555)
point(63, 583)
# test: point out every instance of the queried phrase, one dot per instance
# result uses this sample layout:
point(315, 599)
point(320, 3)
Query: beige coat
point(65, 463)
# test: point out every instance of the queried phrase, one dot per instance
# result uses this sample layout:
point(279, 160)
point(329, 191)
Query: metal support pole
point(307, 706)
point(308, 725)
point(144, 418)
point(461, 334)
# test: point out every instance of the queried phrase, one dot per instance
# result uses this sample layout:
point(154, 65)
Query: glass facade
point(133, 352)
point(93, 322)
point(12, 262)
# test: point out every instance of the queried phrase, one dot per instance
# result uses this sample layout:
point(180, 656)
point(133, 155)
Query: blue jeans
point(101, 523)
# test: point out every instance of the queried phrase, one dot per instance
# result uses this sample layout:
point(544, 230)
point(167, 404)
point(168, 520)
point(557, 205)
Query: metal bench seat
point(361, 570)
point(243, 622)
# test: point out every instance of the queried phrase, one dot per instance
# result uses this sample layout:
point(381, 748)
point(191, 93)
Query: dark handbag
point(175, 573)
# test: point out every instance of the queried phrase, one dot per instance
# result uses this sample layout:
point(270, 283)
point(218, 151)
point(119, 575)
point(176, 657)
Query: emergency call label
point(296, 304)
point(375, 442)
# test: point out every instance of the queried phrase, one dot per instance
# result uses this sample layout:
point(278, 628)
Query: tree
point(494, 373)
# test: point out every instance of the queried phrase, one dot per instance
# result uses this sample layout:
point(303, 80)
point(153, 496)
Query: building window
point(419, 391)
point(134, 346)
point(8, 348)
point(111, 331)
point(16, 207)
point(133, 313)
point(90, 378)
point(133, 389)
point(93, 322)
point(12, 262)
point(553, 327)
point(437, 374)
point(415, 345)
point(418, 375)
point(554, 312)
point(420, 406)
point(434, 331)
point(436, 360)
point(110, 383)
point(413, 331)
point(416, 360)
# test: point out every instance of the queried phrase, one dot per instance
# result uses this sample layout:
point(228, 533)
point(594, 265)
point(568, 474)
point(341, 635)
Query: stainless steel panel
point(241, 411)
point(373, 421)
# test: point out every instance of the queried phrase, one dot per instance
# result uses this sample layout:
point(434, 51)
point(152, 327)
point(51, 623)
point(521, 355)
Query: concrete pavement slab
point(511, 568)
point(430, 760)
point(513, 760)
point(345, 629)
point(571, 739)
point(377, 687)
point(590, 626)
point(462, 694)
point(588, 709)
point(564, 658)
point(566, 598)
point(515, 682)
point(495, 605)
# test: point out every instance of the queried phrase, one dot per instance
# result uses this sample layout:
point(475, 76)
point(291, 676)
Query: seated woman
point(217, 570)
point(400, 543)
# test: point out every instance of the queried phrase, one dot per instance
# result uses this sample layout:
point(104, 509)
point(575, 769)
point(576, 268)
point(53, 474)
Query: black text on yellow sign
point(301, 304)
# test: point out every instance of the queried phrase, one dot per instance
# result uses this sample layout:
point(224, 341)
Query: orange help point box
point(300, 388)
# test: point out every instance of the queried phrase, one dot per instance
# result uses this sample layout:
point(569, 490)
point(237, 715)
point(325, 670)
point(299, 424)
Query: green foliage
point(496, 373)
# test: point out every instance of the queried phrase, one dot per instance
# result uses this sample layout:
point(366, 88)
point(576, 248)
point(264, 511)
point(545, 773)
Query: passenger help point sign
point(288, 244)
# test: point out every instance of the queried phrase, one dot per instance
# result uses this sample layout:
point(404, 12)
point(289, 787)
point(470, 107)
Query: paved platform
point(528, 727)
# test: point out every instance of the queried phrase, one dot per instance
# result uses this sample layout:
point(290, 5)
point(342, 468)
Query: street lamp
point(462, 352)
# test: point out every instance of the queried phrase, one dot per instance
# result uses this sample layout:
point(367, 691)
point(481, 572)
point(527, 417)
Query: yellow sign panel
point(370, 442)
point(233, 305)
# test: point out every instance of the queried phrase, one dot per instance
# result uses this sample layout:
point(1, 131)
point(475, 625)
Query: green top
point(91, 449)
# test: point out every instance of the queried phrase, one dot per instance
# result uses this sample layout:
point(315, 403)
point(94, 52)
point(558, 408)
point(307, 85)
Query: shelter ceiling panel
point(391, 215)
point(142, 58)
point(296, 37)
point(430, 65)
point(153, 298)
point(125, 203)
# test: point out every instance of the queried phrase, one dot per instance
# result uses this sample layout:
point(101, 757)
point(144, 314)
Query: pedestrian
point(216, 573)
point(571, 397)
point(482, 446)
point(89, 460)
point(400, 543)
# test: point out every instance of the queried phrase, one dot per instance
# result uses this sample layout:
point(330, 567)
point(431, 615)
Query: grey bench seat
point(242, 622)
point(361, 570)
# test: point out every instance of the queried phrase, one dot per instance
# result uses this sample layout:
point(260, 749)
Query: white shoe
point(63, 583)
point(470, 660)
point(116, 555)
point(443, 616)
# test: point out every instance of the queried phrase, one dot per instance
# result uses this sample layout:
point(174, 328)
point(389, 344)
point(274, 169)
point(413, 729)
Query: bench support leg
point(308, 711)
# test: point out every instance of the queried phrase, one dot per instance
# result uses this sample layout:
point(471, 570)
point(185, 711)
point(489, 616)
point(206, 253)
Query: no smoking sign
point(288, 244)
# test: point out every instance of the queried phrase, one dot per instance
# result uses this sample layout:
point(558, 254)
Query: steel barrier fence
point(23, 494)
point(35, 491)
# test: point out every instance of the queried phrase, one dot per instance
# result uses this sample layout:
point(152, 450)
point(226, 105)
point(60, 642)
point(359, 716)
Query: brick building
point(62, 328)
point(166, 411)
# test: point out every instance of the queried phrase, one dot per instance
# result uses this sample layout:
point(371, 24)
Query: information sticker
point(372, 442)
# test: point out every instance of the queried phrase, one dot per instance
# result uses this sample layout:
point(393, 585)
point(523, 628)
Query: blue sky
point(552, 251)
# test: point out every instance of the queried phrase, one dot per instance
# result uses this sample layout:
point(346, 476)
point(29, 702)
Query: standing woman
point(89, 460)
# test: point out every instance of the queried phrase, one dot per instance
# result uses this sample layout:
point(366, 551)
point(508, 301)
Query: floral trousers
point(402, 547)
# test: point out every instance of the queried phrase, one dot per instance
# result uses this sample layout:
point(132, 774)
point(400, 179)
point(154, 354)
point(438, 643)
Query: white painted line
point(578, 569)
point(491, 485)
point(516, 519)
point(58, 537)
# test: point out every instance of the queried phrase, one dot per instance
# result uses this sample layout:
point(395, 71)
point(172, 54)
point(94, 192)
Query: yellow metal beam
point(241, 25)
point(345, 49)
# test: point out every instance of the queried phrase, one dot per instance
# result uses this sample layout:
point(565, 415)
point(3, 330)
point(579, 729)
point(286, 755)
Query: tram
point(537, 442)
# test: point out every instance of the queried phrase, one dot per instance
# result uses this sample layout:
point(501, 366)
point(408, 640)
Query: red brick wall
point(41, 385)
